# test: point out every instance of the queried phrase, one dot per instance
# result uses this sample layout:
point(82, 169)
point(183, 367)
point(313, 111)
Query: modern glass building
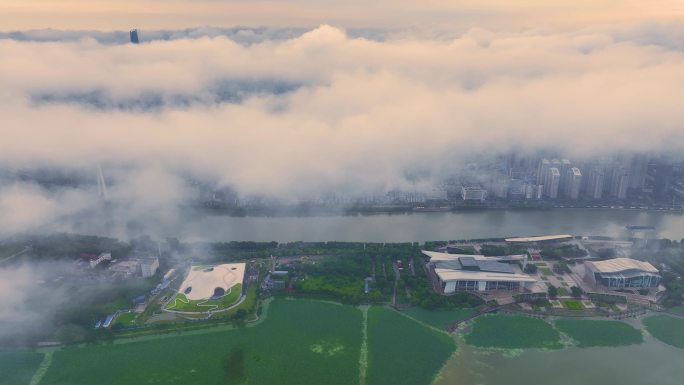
point(457, 272)
point(623, 273)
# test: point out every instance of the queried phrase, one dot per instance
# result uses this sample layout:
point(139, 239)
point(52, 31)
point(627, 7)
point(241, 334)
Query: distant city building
point(619, 183)
point(500, 188)
point(534, 191)
point(573, 183)
point(638, 169)
point(660, 176)
point(134, 36)
point(437, 195)
point(595, 182)
point(542, 171)
point(149, 266)
point(473, 193)
point(553, 183)
point(565, 166)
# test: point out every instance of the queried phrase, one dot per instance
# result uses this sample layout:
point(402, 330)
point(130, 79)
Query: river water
point(418, 227)
point(650, 363)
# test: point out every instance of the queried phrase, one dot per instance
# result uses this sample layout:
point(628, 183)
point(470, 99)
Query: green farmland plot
point(17, 366)
point(402, 351)
point(669, 330)
point(588, 333)
point(300, 342)
point(513, 332)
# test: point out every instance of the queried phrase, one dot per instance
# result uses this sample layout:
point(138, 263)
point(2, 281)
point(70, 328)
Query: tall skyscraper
point(619, 183)
point(553, 183)
point(134, 36)
point(637, 171)
point(565, 166)
point(543, 171)
point(573, 182)
point(661, 174)
point(595, 182)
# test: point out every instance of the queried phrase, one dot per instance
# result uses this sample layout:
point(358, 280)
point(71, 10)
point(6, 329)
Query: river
point(418, 227)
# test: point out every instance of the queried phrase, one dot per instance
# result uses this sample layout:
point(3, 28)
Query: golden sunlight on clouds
point(460, 14)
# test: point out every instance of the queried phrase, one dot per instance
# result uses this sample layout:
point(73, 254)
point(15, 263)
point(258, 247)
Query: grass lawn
point(545, 271)
point(600, 333)
point(300, 342)
point(677, 310)
point(513, 332)
point(17, 366)
point(127, 319)
point(181, 303)
point(402, 351)
point(563, 292)
point(439, 318)
point(669, 330)
point(573, 305)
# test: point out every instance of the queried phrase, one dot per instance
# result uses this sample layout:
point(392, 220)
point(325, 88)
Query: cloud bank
point(321, 111)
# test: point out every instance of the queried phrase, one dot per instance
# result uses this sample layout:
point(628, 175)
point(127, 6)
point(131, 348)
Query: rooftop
point(540, 238)
point(617, 265)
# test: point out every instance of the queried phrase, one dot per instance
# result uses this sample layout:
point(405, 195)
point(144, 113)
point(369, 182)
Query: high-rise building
point(543, 170)
point(638, 168)
point(553, 183)
point(473, 193)
point(565, 166)
point(619, 183)
point(134, 36)
point(661, 175)
point(595, 182)
point(573, 182)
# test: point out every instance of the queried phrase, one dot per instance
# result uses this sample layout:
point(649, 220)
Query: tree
point(531, 268)
point(553, 291)
point(576, 291)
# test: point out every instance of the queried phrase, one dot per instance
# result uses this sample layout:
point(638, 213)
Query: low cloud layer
point(293, 116)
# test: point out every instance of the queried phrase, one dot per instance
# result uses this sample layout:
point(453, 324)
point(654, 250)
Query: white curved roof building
point(620, 273)
point(204, 282)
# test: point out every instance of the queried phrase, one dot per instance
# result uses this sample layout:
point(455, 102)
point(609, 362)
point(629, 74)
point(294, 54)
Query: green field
point(181, 303)
point(17, 366)
point(300, 342)
point(669, 330)
point(438, 318)
point(563, 292)
point(545, 271)
point(513, 332)
point(402, 351)
point(127, 319)
point(573, 305)
point(587, 333)
point(677, 310)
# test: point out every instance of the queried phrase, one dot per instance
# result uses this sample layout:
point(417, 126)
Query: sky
point(302, 98)
point(442, 14)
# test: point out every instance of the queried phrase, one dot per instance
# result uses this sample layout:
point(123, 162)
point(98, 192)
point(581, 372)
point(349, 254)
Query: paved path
point(42, 368)
point(363, 357)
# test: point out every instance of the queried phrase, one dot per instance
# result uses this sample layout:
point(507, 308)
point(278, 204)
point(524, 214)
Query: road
point(27, 248)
